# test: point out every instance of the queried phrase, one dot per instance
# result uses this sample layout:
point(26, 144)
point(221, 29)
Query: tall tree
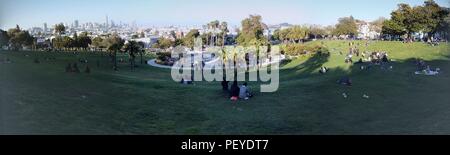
point(141, 51)
point(346, 26)
point(434, 16)
point(132, 48)
point(224, 31)
point(391, 27)
point(316, 30)
point(163, 43)
point(60, 29)
point(188, 40)
point(97, 43)
point(329, 30)
point(297, 33)
point(58, 42)
point(83, 41)
point(252, 32)
point(213, 26)
point(114, 44)
point(19, 38)
point(4, 38)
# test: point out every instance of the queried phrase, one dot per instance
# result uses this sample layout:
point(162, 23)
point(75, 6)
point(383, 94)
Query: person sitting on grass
point(323, 70)
point(348, 59)
point(345, 81)
point(244, 92)
point(421, 65)
point(385, 58)
point(234, 93)
point(187, 80)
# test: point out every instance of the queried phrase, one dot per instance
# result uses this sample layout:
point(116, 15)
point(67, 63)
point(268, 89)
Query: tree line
point(429, 18)
point(16, 38)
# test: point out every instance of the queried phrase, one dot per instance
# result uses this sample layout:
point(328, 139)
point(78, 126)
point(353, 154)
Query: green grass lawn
point(43, 99)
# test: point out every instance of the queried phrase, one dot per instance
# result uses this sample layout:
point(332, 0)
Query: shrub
point(301, 49)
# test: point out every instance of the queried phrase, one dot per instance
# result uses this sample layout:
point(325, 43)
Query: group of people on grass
point(379, 58)
point(237, 92)
point(73, 68)
point(6, 61)
point(423, 68)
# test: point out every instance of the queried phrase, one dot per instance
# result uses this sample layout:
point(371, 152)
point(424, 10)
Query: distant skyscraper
point(107, 22)
point(76, 23)
point(45, 27)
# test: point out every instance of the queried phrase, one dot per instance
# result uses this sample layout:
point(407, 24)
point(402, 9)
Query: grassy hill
point(44, 99)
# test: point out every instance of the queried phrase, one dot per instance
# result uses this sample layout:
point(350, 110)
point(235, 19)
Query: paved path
point(154, 64)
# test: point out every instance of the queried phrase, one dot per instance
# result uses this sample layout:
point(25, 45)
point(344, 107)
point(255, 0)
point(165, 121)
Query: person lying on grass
point(345, 81)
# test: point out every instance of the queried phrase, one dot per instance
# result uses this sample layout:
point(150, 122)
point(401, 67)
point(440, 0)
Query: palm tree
point(224, 29)
point(142, 50)
point(115, 43)
point(132, 47)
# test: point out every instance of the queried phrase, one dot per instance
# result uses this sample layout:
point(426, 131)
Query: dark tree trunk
point(115, 60)
point(142, 62)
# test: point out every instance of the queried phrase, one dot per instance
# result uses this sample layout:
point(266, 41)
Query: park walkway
point(153, 63)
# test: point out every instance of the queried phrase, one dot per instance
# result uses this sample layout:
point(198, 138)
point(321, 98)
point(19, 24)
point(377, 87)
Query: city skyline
point(29, 14)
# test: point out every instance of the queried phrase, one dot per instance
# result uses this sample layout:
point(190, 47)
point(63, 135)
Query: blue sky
point(28, 13)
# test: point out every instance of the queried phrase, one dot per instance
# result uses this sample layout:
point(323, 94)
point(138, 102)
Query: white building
point(148, 41)
point(366, 32)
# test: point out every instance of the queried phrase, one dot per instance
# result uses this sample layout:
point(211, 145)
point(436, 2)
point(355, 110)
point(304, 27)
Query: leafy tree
point(60, 28)
point(329, 30)
point(97, 42)
point(132, 48)
point(316, 31)
point(114, 44)
point(178, 42)
point(391, 27)
point(83, 41)
point(19, 38)
point(445, 27)
point(214, 26)
point(4, 38)
point(252, 31)
point(346, 26)
point(58, 42)
point(142, 50)
point(298, 33)
point(224, 30)
point(276, 35)
point(68, 42)
point(428, 18)
point(434, 17)
point(293, 34)
point(284, 34)
point(189, 39)
point(163, 43)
